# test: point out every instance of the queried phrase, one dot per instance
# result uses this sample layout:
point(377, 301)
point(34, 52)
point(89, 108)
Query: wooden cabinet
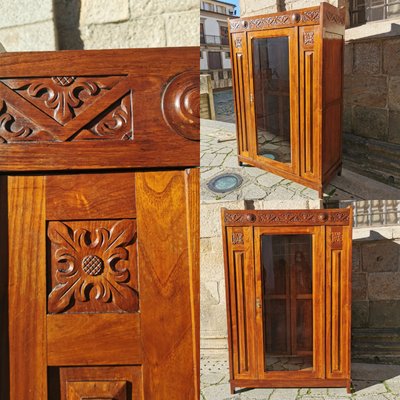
point(288, 288)
point(99, 225)
point(288, 84)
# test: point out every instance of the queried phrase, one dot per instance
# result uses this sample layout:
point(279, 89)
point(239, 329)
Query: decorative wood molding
point(337, 19)
point(115, 124)
point(14, 127)
point(113, 390)
point(337, 238)
point(89, 263)
point(180, 105)
point(237, 238)
point(308, 38)
point(287, 217)
point(62, 97)
point(238, 43)
point(278, 20)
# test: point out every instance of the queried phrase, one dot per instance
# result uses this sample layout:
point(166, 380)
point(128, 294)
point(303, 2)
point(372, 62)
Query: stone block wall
point(28, 25)
point(371, 120)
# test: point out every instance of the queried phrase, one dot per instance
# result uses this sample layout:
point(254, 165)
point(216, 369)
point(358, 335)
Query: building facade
point(214, 42)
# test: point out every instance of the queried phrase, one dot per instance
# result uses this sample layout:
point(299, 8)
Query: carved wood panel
point(93, 266)
point(96, 390)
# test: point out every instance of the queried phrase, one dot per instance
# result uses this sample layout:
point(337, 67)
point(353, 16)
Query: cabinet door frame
point(318, 284)
point(294, 166)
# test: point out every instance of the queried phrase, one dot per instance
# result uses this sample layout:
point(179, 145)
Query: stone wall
point(28, 25)
point(372, 107)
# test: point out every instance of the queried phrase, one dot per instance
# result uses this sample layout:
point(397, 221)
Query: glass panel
point(288, 302)
point(272, 97)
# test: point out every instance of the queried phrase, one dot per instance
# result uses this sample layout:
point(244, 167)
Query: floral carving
point(238, 43)
point(116, 124)
point(308, 38)
point(336, 239)
point(61, 97)
point(237, 238)
point(92, 267)
point(14, 127)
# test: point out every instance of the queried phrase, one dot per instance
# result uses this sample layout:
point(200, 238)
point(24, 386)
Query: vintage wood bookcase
point(288, 84)
point(99, 220)
point(288, 281)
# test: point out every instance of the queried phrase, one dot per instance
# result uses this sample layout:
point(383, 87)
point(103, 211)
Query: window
point(223, 30)
point(202, 37)
point(221, 10)
point(201, 54)
point(362, 11)
point(208, 6)
point(214, 60)
point(227, 54)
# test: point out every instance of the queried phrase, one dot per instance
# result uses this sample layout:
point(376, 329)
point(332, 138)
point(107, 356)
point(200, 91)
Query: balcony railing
point(213, 39)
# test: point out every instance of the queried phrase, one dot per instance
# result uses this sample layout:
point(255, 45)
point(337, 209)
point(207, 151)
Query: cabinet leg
point(232, 389)
point(348, 387)
point(240, 164)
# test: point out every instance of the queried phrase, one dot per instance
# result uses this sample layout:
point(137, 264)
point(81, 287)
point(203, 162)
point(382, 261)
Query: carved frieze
point(92, 266)
point(62, 97)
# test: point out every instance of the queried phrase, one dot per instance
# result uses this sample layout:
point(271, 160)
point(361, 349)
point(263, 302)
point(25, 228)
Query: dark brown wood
point(315, 42)
point(247, 302)
point(99, 280)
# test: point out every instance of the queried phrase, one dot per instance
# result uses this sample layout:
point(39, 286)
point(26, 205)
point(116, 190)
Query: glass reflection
point(272, 97)
point(287, 293)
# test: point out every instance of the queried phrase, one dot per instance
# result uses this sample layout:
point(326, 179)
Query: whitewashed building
point(214, 42)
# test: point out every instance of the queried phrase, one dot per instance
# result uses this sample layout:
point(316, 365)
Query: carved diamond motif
point(92, 265)
point(63, 80)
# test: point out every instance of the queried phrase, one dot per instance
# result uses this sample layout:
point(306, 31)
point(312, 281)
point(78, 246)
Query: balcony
point(213, 39)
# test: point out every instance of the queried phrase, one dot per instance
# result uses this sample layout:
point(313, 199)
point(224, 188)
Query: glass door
point(289, 301)
point(274, 98)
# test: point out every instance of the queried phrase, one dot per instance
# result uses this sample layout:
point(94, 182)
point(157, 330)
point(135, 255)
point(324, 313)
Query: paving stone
point(218, 160)
point(269, 180)
point(280, 193)
point(254, 171)
point(218, 392)
point(284, 394)
point(253, 192)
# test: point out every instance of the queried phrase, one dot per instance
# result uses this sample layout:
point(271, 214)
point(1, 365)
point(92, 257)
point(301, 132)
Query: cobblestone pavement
point(219, 155)
point(370, 382)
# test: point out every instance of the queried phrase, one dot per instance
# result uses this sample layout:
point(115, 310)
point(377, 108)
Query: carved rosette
point(238, 43)
point(62, 97)
point(180, 104)
point(92, 267)
point(336, 239)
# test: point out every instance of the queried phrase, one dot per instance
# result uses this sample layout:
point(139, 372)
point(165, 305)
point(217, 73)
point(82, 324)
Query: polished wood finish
point(99, 217)
point(165, 286)
point(136, 108)
point(316, 43)
point(330, 231)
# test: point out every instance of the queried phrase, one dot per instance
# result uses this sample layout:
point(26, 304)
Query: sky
point(236, 2)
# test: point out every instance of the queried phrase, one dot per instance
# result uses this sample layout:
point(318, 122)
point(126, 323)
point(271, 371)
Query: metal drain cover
point(225, 183)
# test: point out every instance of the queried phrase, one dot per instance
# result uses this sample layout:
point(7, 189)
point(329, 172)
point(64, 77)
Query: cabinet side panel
point(27, 288)
point(193, 223)
point(332, 104)
point(338, 302)
point(4, 337)
point(164, 281)
point(310, 98)
point(241, 302)
point(240, 88)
